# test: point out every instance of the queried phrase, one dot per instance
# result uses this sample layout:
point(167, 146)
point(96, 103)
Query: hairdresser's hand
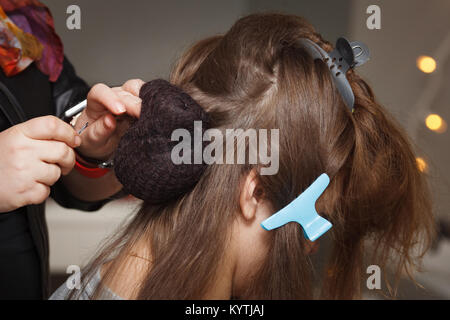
point(108, 113)
point(33, 156)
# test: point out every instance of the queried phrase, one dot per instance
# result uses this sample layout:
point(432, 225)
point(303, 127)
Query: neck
point(222, 288)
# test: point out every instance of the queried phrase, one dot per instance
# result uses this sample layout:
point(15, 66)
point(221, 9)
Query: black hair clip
point(346, 55)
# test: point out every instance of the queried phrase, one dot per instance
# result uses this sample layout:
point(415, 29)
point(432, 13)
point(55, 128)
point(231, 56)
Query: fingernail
point(120, 107)
point(77, 141)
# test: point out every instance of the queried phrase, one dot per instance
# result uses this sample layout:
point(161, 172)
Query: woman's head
point(256, 76)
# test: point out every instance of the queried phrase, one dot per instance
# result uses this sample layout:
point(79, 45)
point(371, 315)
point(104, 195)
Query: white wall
point(75, 236)
point(135, 38)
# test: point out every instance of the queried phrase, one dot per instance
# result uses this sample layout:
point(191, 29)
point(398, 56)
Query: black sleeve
point(69, 90)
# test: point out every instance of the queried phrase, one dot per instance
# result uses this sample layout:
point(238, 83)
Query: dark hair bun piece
point(143, 162)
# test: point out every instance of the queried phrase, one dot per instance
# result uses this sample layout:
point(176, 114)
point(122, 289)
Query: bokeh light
point(421, 164)
point(426, 64)
point(434, 122)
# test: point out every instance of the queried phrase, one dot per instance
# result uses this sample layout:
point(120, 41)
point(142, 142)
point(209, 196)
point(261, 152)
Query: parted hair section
point(256, 76)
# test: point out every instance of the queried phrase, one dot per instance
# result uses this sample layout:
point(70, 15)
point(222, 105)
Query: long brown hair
point(256, 76)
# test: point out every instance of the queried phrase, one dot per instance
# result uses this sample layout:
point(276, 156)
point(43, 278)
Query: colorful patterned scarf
point(27, 35)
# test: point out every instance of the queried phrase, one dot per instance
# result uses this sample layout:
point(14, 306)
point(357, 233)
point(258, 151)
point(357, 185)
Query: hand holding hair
point(34, 156)
point(105, 112)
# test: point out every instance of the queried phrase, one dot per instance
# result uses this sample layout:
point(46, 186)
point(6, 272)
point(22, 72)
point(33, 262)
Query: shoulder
point(63, 292)
point(126, 276)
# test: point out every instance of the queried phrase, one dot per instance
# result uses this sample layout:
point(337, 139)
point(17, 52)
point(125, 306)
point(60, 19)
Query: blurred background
point(409, 72)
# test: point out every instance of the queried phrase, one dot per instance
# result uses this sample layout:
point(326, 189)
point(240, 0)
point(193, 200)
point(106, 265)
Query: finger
point(133, 86)
point(102, 98)
point(101, 130)
point(132, 103)
point(38, 194)
point(58, 153)
point(47, 173)
point(51, 128)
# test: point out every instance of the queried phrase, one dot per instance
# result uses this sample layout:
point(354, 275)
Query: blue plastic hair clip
point(303, 211)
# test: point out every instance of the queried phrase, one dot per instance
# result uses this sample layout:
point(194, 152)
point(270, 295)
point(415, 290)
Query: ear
point(247, 199)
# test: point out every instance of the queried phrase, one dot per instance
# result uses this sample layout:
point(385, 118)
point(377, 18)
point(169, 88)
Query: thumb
point(100, 130)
